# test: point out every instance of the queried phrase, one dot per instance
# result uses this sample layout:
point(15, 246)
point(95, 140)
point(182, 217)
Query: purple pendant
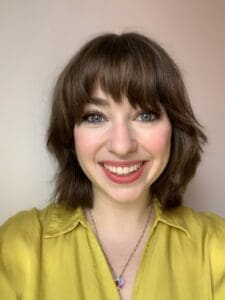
point(120, 281)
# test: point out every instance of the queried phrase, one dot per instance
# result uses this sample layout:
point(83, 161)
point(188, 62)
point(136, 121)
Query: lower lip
point(123, 179)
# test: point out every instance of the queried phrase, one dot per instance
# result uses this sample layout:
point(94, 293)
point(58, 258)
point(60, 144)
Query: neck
point(112, 215)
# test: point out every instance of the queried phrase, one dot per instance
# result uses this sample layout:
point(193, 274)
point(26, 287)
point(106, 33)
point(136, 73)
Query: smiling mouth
point(122, 168)
point(122, 171)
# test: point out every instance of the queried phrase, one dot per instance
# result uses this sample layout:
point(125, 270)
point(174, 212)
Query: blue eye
point(94, 117)
point(147, 116)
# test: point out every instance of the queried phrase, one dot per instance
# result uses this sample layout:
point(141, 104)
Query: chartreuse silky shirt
point(53, 254)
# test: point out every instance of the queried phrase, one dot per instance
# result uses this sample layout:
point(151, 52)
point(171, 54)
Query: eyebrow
point(99, 101)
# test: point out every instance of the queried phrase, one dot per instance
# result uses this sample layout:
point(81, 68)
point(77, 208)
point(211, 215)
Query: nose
point(121, 140)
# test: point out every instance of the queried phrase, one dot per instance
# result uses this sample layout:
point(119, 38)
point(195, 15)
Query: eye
point(93, 117)
point(146, 116)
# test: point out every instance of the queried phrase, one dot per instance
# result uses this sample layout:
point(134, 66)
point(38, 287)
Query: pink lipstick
point(132, 176)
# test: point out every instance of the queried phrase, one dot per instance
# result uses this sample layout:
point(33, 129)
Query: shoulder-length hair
point(133, 65)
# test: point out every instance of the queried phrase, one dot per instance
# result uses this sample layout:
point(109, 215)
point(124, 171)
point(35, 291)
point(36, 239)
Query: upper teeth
point(122, 170)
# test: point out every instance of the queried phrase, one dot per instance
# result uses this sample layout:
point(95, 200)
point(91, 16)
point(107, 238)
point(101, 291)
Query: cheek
point(158, 142)
point(84, 142)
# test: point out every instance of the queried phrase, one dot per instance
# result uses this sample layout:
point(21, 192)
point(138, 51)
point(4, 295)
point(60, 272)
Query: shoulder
point(205, 228)
point(27, 228)
point(24, 224)
point(206, 232)
point(21, 241)
point(22, 233)
point(21, 246)
point(198, 222)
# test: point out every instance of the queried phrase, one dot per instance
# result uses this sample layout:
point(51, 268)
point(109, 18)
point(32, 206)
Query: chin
point(129, 197)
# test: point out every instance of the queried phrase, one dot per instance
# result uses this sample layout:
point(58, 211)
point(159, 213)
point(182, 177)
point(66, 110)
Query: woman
point(127, 144)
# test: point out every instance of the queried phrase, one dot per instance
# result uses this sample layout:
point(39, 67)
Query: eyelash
point(153, 116)
point(88, 115)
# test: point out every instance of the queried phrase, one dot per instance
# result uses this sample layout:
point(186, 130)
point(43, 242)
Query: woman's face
point(121, 150)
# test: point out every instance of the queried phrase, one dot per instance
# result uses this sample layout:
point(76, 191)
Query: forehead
point(101, 98)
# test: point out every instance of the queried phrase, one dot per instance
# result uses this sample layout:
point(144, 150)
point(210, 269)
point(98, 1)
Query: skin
point(119, 133)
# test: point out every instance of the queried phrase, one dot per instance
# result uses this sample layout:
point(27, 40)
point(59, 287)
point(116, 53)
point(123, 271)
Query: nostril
point(121, 140)
point(122, 147)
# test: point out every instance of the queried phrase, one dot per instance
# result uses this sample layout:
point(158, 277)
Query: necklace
point(119, 279)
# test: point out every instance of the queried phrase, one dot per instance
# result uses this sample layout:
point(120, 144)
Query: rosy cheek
point(84, 141)
point(81, 140)
point(159, 140)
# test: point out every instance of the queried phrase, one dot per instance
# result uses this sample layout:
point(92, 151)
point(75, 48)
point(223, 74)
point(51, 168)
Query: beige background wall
point(38, 37)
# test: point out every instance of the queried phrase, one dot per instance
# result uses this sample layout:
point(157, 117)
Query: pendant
point(120, 281)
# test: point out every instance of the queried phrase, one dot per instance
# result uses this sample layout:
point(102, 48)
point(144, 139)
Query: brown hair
point(133, 65)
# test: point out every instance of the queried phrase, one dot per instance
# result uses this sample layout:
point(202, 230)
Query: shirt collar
point(61, 220)
point(174, 217)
